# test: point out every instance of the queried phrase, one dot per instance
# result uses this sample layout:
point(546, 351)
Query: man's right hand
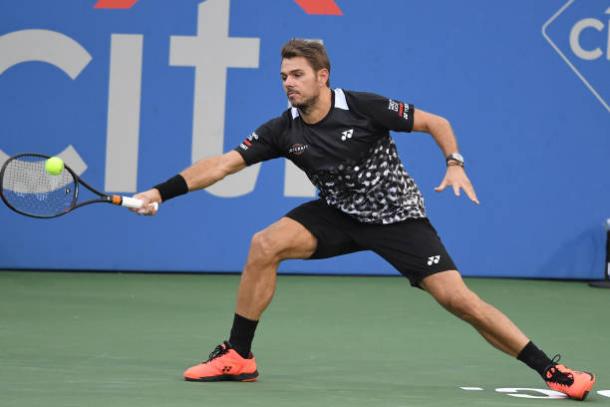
point(148, 198)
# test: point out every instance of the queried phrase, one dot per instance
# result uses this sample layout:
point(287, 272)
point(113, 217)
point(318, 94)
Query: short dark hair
point(313, 51)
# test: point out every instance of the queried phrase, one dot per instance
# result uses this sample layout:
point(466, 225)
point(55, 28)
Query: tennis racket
point(27, 188)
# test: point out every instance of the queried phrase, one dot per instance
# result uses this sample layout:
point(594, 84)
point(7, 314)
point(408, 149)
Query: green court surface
point(107, 339)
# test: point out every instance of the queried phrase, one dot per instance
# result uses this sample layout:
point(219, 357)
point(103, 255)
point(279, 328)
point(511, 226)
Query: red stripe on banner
point(323, 7)
point(115, 4)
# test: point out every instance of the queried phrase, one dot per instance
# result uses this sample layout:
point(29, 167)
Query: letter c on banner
point(575, 33)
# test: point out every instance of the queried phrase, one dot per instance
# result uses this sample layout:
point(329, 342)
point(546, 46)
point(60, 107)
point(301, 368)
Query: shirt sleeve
point(389, 114)
point(262, 145)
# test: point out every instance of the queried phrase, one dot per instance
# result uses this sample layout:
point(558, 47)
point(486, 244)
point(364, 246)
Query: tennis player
point(367, 201)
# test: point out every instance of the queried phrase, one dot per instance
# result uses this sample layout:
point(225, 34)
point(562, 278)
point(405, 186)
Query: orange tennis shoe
point(223, 364)
point(576, 385)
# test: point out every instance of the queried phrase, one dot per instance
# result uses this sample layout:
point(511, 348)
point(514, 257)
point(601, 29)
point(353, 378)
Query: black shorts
point(412, 246)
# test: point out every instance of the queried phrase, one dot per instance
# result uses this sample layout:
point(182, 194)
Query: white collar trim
point(295, 112)
point(340, 101)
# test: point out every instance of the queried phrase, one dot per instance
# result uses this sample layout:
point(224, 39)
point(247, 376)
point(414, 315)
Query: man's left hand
point(456, 177)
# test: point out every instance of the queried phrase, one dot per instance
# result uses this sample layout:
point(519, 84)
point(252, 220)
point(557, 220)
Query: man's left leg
point(449, 290)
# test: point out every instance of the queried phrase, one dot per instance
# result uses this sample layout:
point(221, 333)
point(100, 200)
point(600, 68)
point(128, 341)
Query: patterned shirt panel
point(375, 190)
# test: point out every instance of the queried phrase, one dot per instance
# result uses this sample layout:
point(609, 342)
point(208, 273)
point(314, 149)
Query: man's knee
point(449, 290)
point(464, 304)
point(285, 239)
point(264, 247)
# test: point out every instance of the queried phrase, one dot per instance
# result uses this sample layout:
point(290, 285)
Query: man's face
point(301, 83)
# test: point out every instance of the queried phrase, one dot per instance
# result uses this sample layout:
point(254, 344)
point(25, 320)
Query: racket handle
point(134, 203)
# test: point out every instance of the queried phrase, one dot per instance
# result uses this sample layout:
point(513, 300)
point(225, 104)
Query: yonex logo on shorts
point(433, 260)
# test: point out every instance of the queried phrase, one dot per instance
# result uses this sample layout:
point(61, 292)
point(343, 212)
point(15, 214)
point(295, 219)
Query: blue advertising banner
point(130, 92)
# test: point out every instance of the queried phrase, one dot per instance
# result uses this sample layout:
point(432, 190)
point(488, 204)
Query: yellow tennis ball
point(54, 166)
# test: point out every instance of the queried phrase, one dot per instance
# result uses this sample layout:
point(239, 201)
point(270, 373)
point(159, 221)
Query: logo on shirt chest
point(298, 149)
point(347, 134)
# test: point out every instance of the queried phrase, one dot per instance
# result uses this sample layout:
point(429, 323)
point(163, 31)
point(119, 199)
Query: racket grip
point(135, 203)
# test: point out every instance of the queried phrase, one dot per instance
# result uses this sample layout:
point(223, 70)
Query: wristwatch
point(456, 158)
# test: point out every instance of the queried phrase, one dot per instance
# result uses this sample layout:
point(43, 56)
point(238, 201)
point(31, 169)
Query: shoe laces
point(218, 351)
point(554, 375)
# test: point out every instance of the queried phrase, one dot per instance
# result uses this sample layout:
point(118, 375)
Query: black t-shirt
point(348, 155)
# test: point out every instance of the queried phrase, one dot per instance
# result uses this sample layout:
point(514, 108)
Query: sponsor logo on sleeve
point(400, 108)
point(393, 105)
point(247, 143)
point(405, 115)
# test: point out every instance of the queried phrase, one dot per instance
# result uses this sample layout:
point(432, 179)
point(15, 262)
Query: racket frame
point(103, 198)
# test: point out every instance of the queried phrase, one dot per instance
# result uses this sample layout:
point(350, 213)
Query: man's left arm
point(440, 129)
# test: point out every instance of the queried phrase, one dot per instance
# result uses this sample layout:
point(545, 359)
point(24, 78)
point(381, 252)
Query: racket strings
point(28, 188)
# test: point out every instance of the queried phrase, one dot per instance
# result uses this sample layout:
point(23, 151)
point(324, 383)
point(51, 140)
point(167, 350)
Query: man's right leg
point(232, 360)
point(285, 239)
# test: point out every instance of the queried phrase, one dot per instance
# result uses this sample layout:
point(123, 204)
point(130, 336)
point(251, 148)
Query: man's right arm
point(260, 145)
point(208, 171)
point(200, 175)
